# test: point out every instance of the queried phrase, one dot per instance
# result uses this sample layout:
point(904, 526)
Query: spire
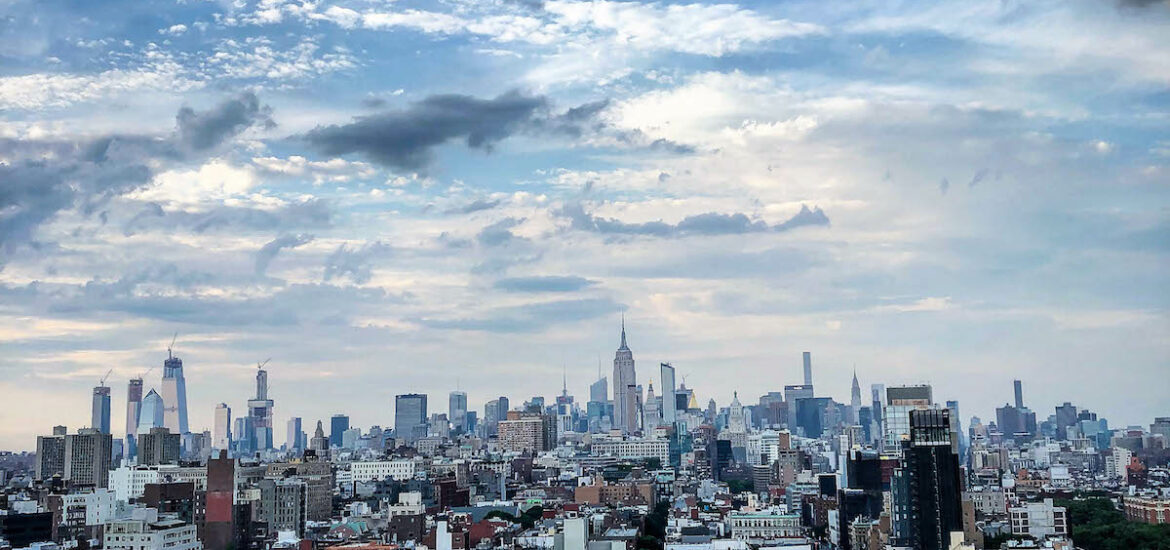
point(623, 346)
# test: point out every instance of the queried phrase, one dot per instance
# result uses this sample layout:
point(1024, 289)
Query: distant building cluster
point(633, 467)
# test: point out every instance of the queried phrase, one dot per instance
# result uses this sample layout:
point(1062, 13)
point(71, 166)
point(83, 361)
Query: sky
point(388, 197)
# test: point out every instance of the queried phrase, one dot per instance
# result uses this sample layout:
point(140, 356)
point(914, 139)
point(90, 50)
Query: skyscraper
point(100, 417)
point(87, 458)
point(133, 404)
point(668, 399)
point(410, 417)
point(260, 411)
point(599, 391)
point(1019, 387)
point(927, 490)
point(625, 410)
point(152, 413)
point(222, 438)
point(457, 409)
point(294, 436)
point(808, 369)
point(337, 426)
point(174, 395)
point(854, 399)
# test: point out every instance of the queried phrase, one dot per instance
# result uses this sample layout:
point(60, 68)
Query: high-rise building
point(87, 458)
point(900, 400)
point(669, 405)
point(260, 412)
point(956, 425)
point(625, 380)
point(1019, 387)
point(651, 417)
point(808, 369)
point(133, 405)
point(159, 446)
point(100, 416)
point(599, 390)
point(51, 454)
point(792, 394)
point(410, 417)
point(337, 426)
point(294, 439)
point(854, 399)
point(926, 489)
point(223, 427)
point(174, 395)
point(219, 519)
point(152, 413)
point(457, 410)
point(319, 443)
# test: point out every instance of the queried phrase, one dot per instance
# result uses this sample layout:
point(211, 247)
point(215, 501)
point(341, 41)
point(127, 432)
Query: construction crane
point(261, 364)
point(103, 380)
point(173, 338)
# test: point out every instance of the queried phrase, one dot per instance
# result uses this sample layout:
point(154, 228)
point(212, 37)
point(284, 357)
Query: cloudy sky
point(401, 196)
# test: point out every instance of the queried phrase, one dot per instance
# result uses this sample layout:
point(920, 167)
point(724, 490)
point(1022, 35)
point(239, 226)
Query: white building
point(633, 449)
point(398, 470)
point(139, 534)
point(764, 526)
point(100, 506)
point(1039, 520)
point(130, 482)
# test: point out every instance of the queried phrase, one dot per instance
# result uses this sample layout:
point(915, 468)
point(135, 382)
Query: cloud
point(548, 283)
point(528, 317)
point(498, 233)
point(354, 263)
point(711, 223)
point(199, 131)
point(978, 177)
point(406, 139)
point(474, 206)
point(268, 252)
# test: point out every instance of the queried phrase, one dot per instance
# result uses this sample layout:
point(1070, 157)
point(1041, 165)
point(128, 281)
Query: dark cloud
point(978, 177)
point(373, 102)
point(1141, 3)
point(293, 216)
point(406, 139)
point(268, 252)
point(474, 206)
point(199, 131)
point(711, 223)
point(499, 232)
point(549, 283)
point(86, 174)
point(354, 263)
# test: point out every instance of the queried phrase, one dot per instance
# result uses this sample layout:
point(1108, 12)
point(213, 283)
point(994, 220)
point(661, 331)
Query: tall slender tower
point(222, 436)
point(625, 415)
point(174, 394)
point(854, 399)
point(808, 369)
point(260, 411)
point(669, 407)
point(1019, 394)
point(133, 404)
point(100, 420)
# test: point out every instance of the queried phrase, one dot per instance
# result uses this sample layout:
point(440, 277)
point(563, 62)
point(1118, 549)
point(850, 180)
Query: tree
point(1095, 524)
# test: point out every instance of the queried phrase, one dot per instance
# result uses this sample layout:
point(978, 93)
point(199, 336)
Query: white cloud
point(214, 182)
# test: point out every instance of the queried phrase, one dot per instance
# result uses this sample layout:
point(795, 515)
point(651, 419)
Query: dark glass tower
point(927, 489)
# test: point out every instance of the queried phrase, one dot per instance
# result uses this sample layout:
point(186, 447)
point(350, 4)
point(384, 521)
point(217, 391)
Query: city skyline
point(808, 368)
point(384, 198)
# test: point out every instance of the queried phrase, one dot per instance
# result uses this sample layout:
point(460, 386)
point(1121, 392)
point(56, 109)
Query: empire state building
point(625, 388)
